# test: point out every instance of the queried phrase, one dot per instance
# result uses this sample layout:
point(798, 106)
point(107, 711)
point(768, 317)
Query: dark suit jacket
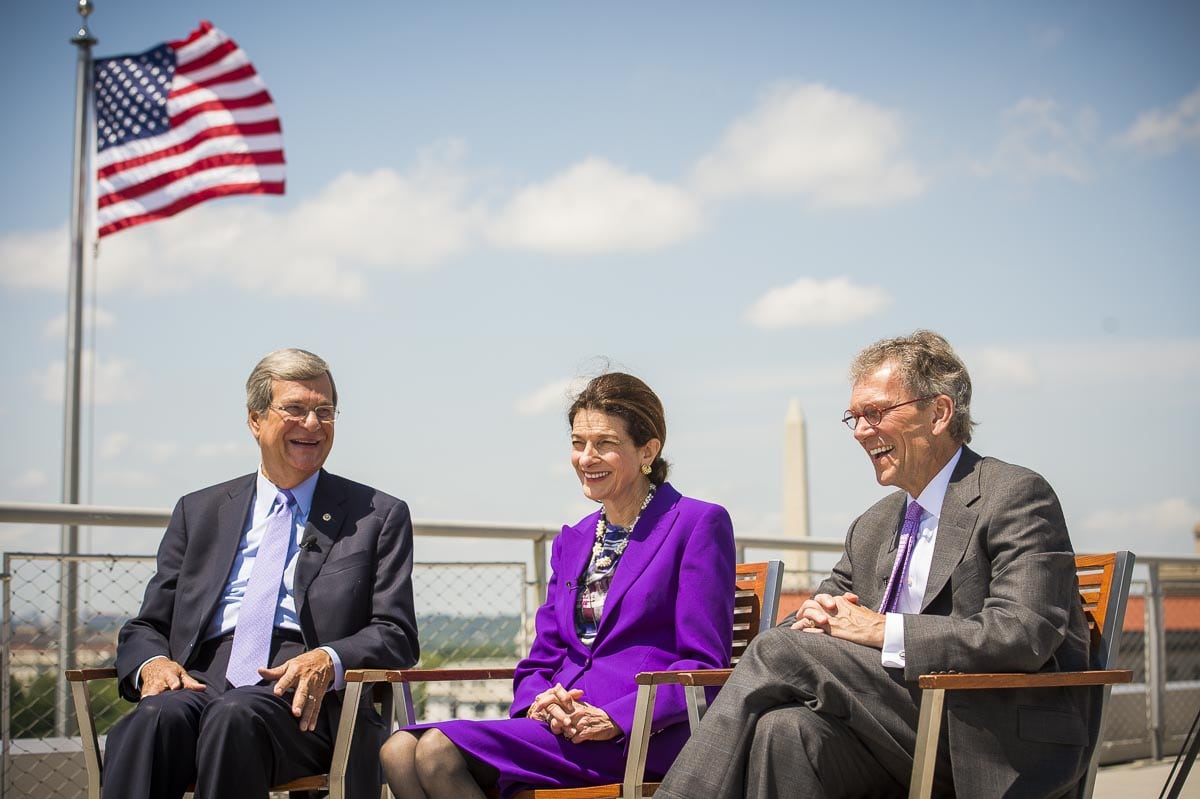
point(353, 588)
point(1002, 596)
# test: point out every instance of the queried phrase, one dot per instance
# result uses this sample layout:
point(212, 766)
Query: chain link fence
point(479, 615)
point(468, 614)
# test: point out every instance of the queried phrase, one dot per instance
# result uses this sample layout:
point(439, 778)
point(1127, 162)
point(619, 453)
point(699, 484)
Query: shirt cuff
point(893, 641)
point(137, 678)
point(339, 671)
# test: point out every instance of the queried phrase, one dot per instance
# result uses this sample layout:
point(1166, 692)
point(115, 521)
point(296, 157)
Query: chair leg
point(1089, 781)
point(697, 705)
point(81, 695)
point(925, 756)
point(345, 734)
point(639, 742)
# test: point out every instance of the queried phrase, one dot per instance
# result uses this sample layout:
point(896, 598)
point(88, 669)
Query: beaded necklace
point(602, 560)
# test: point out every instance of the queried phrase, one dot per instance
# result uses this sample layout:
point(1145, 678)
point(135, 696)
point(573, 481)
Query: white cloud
point(116, 380)
point(221, 449)
point(551, 397)
point(832, 147)
point(35, 260)
point(159, 452)
point(1169, 515)
point(30, 478)
point(1035, 141)
point(1162, 130)
point(1098, 361)
point(101, 320)
point(1123, 360)
point(126, 478)
point(1004, 367)
point(817, 303)
point(596, 207)
point(382, 220)
point(113, 446)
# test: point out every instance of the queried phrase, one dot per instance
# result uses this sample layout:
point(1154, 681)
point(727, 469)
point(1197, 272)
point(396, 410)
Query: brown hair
point(624, 396)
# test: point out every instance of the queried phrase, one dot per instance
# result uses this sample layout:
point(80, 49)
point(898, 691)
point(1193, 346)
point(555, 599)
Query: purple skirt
point(528, 755)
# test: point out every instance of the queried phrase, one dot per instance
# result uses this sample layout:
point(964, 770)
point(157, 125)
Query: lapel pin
point(326, 517)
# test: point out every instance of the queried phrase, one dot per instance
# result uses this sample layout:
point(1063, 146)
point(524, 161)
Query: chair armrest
point(358, 680)
point(703, 677)
point(87, 675)
point(445, 675)
point(962, 682)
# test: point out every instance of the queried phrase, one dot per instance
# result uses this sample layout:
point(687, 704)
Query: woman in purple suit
point(643, 584)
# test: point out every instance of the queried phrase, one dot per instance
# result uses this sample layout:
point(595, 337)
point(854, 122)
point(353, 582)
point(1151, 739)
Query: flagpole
point(69, 536)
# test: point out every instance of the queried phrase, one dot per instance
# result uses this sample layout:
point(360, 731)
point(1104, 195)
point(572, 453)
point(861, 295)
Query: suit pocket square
point(1050, 726)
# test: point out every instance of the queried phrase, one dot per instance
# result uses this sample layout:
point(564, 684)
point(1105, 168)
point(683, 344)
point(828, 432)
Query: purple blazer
point(670, 606)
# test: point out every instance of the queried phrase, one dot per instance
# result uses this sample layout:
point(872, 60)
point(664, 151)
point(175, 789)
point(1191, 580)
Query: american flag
point(180, 124)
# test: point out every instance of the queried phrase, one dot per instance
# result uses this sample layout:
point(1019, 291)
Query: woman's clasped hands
point(567, 715)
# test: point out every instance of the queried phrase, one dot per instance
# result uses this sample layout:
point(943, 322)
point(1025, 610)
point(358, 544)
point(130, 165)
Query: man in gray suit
point(968, 568)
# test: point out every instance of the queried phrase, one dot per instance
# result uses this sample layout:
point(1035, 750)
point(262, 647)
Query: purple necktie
point(908, 538)
point(256, 617)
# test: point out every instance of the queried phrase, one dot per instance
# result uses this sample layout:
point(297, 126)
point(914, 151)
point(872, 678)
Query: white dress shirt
point(912, 593)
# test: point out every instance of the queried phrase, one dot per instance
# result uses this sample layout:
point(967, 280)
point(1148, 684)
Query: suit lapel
point(577, 551)
point(231, 522)
point(325, 519)
point(647, 538)
point(887, 553)
point(954, 525)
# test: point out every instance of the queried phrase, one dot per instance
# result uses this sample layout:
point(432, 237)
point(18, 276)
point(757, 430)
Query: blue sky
point(487, 200)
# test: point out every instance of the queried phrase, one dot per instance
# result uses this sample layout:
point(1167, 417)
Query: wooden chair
point(1103, 589)
point(756, 604)
point(334, 782)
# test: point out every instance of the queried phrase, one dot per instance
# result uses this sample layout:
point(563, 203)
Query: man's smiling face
point(292, 451)
point(906, 447)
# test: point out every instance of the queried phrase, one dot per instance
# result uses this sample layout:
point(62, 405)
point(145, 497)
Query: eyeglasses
point(326, 414)
point(874, 415)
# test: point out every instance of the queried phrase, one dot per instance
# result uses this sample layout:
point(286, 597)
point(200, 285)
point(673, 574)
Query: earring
point(646, 468)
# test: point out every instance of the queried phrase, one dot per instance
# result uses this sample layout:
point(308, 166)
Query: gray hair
point(286, 364)
point(929, 367)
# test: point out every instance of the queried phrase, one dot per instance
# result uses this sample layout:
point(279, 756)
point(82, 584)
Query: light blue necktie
point(256, 617)
point(908, 537)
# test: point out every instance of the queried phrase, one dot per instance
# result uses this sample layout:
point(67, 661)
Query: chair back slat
point(1103, 591)
point(755, 602)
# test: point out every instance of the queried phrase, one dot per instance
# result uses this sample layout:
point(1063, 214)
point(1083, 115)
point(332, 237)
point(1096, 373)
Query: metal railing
point(1149, 718)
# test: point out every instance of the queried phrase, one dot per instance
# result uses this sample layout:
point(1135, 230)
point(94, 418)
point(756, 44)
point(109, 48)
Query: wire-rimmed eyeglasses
point(874, 415)
point(326, 414)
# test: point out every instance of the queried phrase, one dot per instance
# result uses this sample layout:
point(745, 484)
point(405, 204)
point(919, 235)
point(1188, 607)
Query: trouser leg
point(151, 752)
point(249, 741)
point(799, 752)
point(782, 667)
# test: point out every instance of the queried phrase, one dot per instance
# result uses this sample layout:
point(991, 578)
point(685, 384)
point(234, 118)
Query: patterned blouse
point(589, 605)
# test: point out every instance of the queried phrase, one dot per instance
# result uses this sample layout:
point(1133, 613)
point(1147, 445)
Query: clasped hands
point(570, 717)
point(309, 673)
point(841, 617)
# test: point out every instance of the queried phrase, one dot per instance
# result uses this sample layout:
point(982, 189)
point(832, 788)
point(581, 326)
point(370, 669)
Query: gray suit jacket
point(1002, 596)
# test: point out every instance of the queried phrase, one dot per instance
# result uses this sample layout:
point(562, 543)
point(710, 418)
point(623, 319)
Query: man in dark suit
point(968, 568)
point(267, 588)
